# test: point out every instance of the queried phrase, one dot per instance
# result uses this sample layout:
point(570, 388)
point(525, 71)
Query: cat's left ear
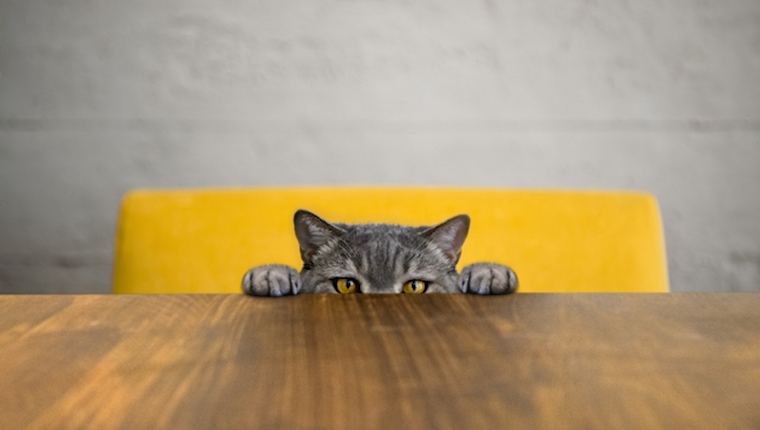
point(312, 233)
point(449, 236)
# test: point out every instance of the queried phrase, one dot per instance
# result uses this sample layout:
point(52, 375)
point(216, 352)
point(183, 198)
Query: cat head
point(379, 258)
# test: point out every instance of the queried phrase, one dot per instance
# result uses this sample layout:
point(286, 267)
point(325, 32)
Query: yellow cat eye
point(346, 285)
point(415, 287)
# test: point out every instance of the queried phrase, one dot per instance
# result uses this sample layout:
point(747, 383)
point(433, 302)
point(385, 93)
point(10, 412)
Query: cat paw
point(272, 280)
point(487, 278)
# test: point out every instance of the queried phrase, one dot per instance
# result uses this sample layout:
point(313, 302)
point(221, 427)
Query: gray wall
point(97, 97)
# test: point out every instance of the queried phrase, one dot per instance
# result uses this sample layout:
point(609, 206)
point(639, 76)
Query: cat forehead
point(378, 226)
point(376, 231)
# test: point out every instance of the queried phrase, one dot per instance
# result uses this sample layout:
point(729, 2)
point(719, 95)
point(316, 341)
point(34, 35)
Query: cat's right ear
point(449, 236)
point(312, 233)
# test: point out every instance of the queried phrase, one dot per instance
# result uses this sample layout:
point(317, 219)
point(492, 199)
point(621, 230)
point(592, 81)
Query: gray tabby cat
point(379, 258)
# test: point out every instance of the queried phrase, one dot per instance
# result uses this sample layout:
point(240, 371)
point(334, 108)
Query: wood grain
point(380, 362)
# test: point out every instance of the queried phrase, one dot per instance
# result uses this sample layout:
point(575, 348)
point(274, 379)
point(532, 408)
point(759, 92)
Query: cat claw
point(272, 280)
point(487, 279)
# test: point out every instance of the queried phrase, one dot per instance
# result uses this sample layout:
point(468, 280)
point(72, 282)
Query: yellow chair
point(203, 241)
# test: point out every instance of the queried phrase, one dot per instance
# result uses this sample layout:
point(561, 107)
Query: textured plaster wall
point(98, 97)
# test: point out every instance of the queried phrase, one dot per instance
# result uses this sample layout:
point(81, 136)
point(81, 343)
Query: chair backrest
point(203, 241)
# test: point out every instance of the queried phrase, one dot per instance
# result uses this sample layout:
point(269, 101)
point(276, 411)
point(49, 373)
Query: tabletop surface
point(445, 361)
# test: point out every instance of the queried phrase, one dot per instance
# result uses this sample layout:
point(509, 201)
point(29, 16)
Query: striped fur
point(382, 258)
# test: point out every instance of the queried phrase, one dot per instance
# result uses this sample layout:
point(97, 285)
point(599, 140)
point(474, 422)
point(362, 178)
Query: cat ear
point(312, 233)
point(449, 236)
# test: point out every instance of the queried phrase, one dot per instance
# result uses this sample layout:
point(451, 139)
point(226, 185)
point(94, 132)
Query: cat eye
point(345, 285)
point(415, 287)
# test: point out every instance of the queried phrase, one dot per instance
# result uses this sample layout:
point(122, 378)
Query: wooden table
point(550, 361)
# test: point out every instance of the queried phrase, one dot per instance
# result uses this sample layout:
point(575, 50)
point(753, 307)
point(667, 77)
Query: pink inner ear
point(310, 237)
point(312, 232)
point(450, 236)
point(306, 254)
point(454, 257)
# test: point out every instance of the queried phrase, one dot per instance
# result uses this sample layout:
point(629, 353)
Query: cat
point(379, 258)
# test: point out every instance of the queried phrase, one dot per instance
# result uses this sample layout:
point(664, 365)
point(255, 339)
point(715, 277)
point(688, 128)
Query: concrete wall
point(98, 97)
